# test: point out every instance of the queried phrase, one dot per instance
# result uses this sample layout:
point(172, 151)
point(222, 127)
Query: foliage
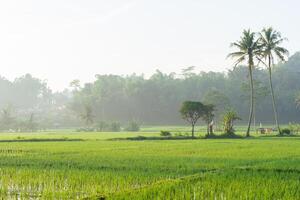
point(6, 120)
point(228, 121)
point(165, 133)
point(191, 111)
point(248, 49)
point(270, 41)
point(115, 127)
point(294, 127)
point(208, 116)
point(153, 100)
point(179, 169)
point(85, 129)
point(102, 126)
point(286, 131)
point(218, 99)
point(132, 126)
point(87, 115)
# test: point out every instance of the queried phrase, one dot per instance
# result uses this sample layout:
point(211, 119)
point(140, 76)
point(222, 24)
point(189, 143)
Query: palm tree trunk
point(273, 98)
point(252, 101)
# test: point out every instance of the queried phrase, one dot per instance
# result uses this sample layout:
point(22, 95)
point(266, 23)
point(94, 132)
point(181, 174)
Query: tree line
point(154, 100)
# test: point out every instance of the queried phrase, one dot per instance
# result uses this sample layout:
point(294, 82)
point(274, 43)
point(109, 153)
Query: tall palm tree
point(247, 51)
point(270, 41)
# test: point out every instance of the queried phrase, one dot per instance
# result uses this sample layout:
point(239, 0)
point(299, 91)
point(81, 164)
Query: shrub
point(228, 119)
point(286, 131)
point(132, 126)
point(294, 127)
point(84, 130)
point(165, 133)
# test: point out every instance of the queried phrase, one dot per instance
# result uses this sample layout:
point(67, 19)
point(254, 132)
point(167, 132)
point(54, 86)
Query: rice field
point(72, 165)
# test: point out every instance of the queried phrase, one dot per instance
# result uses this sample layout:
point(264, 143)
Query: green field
point(72, 165)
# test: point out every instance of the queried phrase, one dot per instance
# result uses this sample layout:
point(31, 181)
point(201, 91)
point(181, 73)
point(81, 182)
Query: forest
point(29, 103)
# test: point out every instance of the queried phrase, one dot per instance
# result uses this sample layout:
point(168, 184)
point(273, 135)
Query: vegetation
point(228, 121)
point(192, 111)
point(153, 100)
point(286, 131)
point(132, 126)
point(67, 165)
point(153, 163)
point(165, 133)
point(270, 40)
point(248, 50)
point(208, 117)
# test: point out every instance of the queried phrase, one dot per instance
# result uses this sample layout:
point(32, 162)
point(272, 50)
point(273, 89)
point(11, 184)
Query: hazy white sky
point(62, 40)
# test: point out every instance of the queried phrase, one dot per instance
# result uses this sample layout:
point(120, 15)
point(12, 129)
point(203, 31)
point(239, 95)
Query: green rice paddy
point(72, 165)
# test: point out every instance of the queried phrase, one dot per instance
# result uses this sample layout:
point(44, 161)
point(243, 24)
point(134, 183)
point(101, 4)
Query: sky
point(63, 40)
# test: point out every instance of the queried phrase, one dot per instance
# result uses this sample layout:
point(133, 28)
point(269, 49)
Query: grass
point(70, 165)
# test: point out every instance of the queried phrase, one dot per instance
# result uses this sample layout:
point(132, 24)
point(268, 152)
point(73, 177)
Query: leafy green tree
point(247, 51)
point(208, 116)
point(270, 41)
point(192, 111)
point(87, 115)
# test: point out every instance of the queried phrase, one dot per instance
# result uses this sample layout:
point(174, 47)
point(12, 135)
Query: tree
point(87, 115)
point(75, 84)
point(208, 116)
point(228, 120)
point(247, 51)
point(188, 72)
point(218, 99)
point(191, 111)
point(270, 40)
point(6, 119)
point(31, 124)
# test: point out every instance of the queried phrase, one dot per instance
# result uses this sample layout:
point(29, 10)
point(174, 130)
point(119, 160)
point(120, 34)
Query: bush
point(286, 131)
point(294, 127)
point(165, 133)
point(84, 130)
point(132, 126)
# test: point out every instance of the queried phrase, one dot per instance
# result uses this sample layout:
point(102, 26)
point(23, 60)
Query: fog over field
point(64, 40)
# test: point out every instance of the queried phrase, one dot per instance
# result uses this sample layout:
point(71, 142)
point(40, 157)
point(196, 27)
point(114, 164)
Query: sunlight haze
point(62, 40)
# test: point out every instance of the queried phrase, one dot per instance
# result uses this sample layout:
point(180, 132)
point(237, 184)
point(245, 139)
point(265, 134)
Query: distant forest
point(154, 100)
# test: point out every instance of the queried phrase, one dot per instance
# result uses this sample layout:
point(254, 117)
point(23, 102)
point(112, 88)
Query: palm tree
point(247, 51)
point(270, 40)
